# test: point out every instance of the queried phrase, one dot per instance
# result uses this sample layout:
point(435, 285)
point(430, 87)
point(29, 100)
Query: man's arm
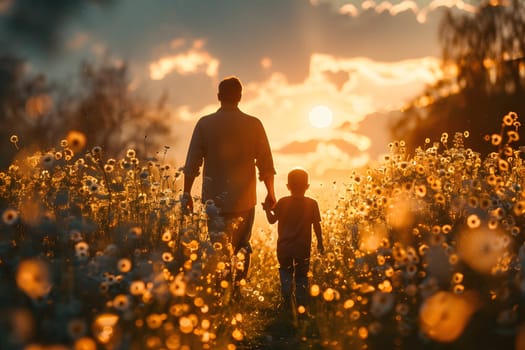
point(194, 160)
point(264, 162)
point(186, 200)
point(269, 209)
point(270, 189)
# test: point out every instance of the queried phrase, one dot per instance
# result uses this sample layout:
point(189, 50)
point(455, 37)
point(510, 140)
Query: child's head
point(298, 181)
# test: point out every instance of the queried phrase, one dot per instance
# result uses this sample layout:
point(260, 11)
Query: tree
point(24, 105)
point(484, 65)
point(103, 110)
point(111, 116)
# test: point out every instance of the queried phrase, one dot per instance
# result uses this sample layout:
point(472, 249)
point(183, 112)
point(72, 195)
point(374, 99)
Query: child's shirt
point(295, 217)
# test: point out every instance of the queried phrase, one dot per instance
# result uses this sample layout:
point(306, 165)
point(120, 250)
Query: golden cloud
point(406, 5)
point(367, 86)
point(194, 60)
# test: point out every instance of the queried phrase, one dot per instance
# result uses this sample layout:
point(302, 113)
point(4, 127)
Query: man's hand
point(186, 203)
point(267, 204)
point(269, 201)
point(320, 248)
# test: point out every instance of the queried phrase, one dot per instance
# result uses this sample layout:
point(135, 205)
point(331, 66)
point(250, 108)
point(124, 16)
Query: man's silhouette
point(231, 144)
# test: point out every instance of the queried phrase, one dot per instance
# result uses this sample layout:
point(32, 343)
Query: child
point(296, 214)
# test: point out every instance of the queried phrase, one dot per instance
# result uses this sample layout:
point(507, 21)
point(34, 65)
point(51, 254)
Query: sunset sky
point(358, 59)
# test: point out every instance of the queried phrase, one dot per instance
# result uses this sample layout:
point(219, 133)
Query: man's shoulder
point(250, 118)
point(206, 117)
point(249, 121)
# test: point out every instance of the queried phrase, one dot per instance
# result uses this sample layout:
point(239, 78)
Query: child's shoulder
point(298, 198)
point(309, 199)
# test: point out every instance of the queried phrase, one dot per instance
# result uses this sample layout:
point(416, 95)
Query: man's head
point(230, 90)
point(298, 181)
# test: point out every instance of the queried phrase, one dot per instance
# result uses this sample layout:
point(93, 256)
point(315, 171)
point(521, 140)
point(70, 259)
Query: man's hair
point(298, 180)
point(230, 90)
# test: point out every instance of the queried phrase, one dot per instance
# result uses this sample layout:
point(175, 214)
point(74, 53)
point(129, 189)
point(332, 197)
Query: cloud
point(425, 69)
point(39, 23)
point(351, 143)
point(365, 86)
point(194, 60)
point(327, 159)
point(394, 9)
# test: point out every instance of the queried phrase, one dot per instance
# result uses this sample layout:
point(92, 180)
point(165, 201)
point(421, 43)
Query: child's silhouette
point(296, 214)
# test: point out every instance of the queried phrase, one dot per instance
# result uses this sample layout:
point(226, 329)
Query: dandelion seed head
point(482, 249)
point(237, 335)
point(382, 303)
point(329, 294)
point(121, 302)
point(178, 286)
point(473, 221)
point(444, 316)
point(33, 277)
point(47, 161)
point(135, 231)
point(131, 153)
point(96, 151)
point(104, 327)
point(315, 290)
point(85, 343)
point(185, 325)
point(155, 320)
point(124, 265)
point(108, 168)
point(10, 217)
point(372, 237)
point(137, 287)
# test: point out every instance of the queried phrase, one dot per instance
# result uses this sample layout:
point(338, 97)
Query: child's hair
point(298, 180)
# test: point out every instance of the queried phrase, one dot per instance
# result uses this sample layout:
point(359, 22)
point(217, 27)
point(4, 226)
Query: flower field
point(424, 250)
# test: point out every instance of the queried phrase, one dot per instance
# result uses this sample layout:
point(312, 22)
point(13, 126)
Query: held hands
point(269, 202)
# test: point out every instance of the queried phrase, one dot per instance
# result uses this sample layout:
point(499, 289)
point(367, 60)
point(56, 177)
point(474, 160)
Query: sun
point(321, 117)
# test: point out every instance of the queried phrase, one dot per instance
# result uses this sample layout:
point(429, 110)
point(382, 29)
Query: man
point(231, 144)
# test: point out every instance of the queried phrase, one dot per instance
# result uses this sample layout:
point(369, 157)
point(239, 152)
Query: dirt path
point(284, 331)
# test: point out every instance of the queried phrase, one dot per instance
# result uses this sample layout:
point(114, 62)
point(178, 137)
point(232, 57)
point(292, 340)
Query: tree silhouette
point(103, 110)
point(111, 116)
point(484, 76)
point(24, 105)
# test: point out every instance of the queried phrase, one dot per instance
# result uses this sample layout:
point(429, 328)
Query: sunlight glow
point(321, 117)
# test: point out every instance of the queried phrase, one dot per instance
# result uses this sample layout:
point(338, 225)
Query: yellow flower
point(76, 140)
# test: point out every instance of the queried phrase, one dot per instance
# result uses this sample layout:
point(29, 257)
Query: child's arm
point(270, 215)
point(319, 235)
